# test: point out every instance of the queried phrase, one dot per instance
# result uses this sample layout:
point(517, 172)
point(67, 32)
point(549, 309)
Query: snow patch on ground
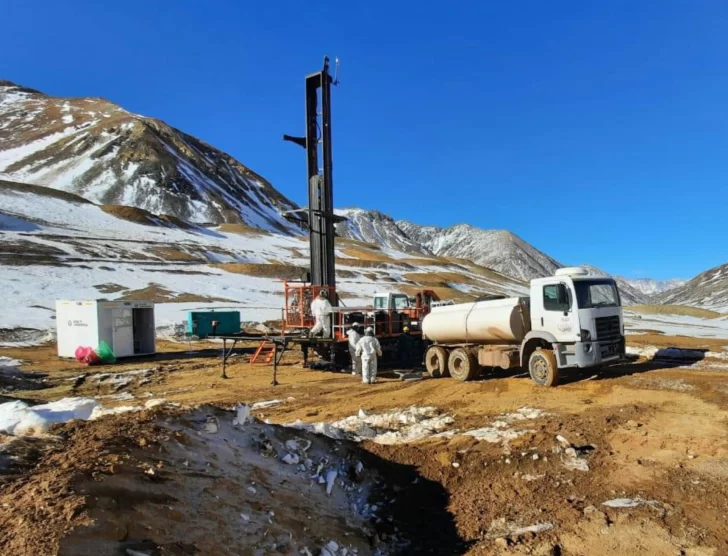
point(500, 430)
point(399, 426)
point(676, 325)
point(17, 418)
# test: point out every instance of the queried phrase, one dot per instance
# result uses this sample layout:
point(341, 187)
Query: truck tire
point(543, 368)
point(462, 365)
point(436, 362)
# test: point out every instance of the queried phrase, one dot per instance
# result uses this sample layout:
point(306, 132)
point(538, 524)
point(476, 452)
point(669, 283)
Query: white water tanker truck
point(571, 319)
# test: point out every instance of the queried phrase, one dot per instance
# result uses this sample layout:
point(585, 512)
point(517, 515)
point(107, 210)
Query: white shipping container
point(127, 326)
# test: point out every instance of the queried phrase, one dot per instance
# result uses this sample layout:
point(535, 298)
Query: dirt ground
point(652, 432)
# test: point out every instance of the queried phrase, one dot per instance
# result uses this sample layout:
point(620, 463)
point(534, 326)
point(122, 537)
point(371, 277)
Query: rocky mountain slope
point(99, 151)
point(649, 287)
point(497, 249)
point(708, 290)
point(372, 226)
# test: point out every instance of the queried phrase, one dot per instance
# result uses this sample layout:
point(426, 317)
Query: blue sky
point(598, 131)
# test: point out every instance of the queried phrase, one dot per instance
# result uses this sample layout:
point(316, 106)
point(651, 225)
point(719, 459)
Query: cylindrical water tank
point(499, 321)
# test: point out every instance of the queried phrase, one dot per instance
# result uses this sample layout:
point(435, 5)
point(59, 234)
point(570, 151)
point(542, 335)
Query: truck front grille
point(607, 328)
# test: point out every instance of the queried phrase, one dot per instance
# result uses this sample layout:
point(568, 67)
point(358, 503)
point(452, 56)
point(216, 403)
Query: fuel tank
point(498, 321)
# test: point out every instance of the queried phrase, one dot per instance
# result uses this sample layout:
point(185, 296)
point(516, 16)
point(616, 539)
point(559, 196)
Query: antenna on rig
point(336, 71)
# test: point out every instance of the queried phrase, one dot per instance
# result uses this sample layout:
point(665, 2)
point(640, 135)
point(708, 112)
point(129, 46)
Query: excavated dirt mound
point(209, 482)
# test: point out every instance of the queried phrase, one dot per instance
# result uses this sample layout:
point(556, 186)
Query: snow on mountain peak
point(648, 286)
point(96, 149)
point(499, 250)
point(375, 227)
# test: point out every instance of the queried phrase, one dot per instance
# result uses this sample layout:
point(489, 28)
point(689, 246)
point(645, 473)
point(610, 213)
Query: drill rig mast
point(321, 217)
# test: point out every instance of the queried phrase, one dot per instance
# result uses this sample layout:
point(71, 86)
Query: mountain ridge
point(97, 149)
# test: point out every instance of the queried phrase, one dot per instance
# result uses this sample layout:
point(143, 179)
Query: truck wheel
point(462, 365)
point(543, 368)
point(436, 362)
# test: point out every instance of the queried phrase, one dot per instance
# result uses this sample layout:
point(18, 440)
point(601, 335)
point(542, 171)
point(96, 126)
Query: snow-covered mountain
point(629, 294)
point(648, 286)
point(56, 245)
point(95, 149)
point(708, 290)
point(500, 250)
point(372, 226)
point(99, 151)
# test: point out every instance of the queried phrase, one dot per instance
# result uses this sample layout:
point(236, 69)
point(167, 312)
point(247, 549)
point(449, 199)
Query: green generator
point(213, 323)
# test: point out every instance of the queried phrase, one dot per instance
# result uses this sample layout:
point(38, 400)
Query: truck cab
point(391, 302)
point(579, 315)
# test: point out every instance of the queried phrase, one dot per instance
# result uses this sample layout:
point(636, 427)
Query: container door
point(123, 332)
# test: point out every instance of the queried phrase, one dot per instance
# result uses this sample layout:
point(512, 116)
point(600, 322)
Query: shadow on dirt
point(418, 508)
point(666, 358)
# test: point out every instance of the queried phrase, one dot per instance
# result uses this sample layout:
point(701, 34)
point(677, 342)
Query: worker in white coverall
point(368, 349)
point(354, 337)
point(321, 309)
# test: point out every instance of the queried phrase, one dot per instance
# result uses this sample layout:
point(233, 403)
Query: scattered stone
point(245, 517)
point(330, 478)
point(561, 440)
point(211, 425)
point(242, 414)
point(534, 457)
point(251, 490)
point(455, 464)
point(291, 459)
point(501, 542)
point(628, 503)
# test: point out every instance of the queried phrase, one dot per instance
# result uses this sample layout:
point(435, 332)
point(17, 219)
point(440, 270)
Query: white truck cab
point(391, 301)
point(579, 315)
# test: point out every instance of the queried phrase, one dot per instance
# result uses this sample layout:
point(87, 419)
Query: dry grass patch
point(110, 288)
point(343, 243)
point(686, 342)
point(682, 310)
point(141, 216)
point(242, 230)
point(132, 214)
point(158, 294)
point(367, 255)
point(264, 270)
point(45, 191)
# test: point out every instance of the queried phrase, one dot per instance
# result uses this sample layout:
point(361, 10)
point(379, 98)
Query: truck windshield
point(596, 293)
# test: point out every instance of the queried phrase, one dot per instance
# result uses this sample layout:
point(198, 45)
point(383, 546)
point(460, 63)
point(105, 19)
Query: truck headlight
point(585, 335)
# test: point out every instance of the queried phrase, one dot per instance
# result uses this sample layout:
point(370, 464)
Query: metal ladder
point(264, 353)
